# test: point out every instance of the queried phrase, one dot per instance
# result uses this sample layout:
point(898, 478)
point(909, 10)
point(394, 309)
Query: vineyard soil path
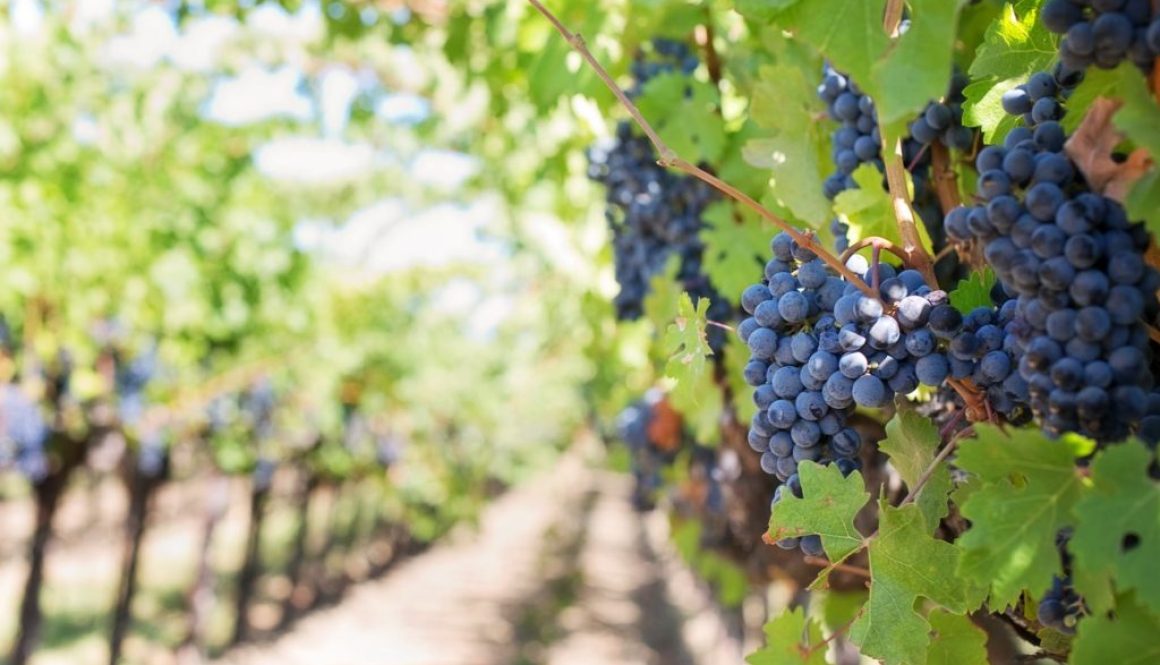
point(560, 571)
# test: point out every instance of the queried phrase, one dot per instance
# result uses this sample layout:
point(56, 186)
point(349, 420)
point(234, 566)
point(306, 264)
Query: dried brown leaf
point(1091, 148)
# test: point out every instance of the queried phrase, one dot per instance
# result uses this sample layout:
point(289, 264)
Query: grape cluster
point(942, 121)
point(24, 434)
point(1074, 262)
point(1104, 33)
point(130, 381)
point(1061, 607)
point(820, 347)
point(1040, 99)
point(654, 213)
point(647, 460)
point(857, 140)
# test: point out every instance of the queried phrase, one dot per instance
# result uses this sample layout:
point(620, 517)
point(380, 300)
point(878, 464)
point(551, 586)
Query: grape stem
point(871, 241)
point(1153, 332)
point(912, 495)
point(669, 158)
point(704, 37)
point(912, 248)
point(718, 324)
point(823, 562)
point(945, 184)
point(892, 17)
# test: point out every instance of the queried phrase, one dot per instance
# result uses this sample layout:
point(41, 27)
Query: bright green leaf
point(974, 291)
point(911, 442)
point(1123, 506)
point(918, 67)
point(848, 32)
point(955, 640)
point(827, 508)
point(785, 103)
point(684, 112)
point(789, 640)
point(868, 210)
point(907, 563)
point(735, 241)
point(1026, 488)
point(1127, 639)
point(1015, 46)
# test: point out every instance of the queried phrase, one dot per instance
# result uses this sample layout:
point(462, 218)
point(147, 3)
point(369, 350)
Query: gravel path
point(560, 571)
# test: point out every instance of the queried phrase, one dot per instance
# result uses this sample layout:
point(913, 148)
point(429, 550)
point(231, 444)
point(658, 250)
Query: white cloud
point(444, 169)
point(403, 108)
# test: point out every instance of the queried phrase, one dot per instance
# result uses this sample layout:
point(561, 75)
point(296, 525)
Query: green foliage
point(907, 563)
point(1129, 637)
point(868, 210)
point(1117, 533)
point(734, 239)
point(684, 113)
point(790, 639)
point(1014, 47)
point(688, 346)
point(828, 508)
point(1025, 488)
point(795, 149)
point(955, 640)
point(974, 291)
point(912, 442)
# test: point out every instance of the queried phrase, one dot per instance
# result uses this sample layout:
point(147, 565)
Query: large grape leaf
point(907, 563)
point(1139, 119)
point(791, 638)
point(735, 240)
point(684, 112)
point(1127, 639)
point(868, 210)
point(917, 68)
point(828, 507)
point(848, 32)
point(1117, 531)
point(1025, 489)
point(974, 291)
point(955, 640)
point(785, 103)
point(911, 442)
point(1015, 46)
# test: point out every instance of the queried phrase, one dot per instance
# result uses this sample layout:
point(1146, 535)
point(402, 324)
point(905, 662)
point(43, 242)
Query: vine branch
point(916, 255)
point(823, 562)
point(892, 17)
point(945, 184)
point(875, 242)
point(669, 158)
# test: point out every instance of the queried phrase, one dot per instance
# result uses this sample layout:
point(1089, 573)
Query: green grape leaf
point(1143, 202)
point(974, 291)
point(736, 357)
point(1127, 639)
point(955, 640)
point(983, 108)
point(848, 32)
point(1139, 120)
point(761, 10)
point(1015, 46)
point(918, 67)
point(1026, 488)
point(735, 240)
point(828, 509)
point(785, 103)
point(683, 111)
point(791, 639)
point(911, 442)
point(686, 343)
point(1096, 83)
point(868, 210)
point(839, 608)
point(1117, 531)
point(664, 295)
point(906, 563)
